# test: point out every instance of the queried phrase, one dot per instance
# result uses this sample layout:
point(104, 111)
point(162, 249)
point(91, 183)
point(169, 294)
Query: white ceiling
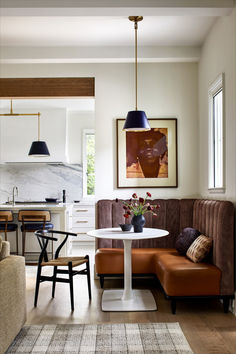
point(103, 31)
point(86, 31)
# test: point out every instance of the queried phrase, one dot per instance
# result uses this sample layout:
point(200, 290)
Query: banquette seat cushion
point(181, 277)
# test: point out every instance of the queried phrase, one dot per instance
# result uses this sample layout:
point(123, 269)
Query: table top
point(117, 234)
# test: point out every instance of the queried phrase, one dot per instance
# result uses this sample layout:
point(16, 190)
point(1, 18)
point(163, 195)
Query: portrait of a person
point(147, 154)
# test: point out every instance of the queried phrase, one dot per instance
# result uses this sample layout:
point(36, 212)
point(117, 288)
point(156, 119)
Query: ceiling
point(58, 31)
point(103, 31)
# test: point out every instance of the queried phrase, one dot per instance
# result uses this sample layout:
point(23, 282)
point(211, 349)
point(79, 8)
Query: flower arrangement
point(139, 206)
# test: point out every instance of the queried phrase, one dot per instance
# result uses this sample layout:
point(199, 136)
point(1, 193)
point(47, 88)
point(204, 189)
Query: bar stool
point(5, 227)
point(33, 220)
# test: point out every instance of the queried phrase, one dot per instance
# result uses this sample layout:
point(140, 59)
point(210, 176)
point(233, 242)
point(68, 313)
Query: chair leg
point(37, 285)
point(70, 271)
point(88, 277)
point(17, 247)
point(5, 236)
point(54, 281)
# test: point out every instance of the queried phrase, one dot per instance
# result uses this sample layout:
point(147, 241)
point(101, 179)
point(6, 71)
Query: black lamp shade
point(136, 120)
point(39, 149)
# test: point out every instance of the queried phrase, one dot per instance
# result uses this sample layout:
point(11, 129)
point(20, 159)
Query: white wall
point(76, 123)
point(165, 90)
point(219, 55)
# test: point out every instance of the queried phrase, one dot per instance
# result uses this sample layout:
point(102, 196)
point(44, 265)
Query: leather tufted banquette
point(178, 276)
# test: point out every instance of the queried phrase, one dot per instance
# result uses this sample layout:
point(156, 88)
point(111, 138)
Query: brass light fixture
point(136, 120)
point(38, 148)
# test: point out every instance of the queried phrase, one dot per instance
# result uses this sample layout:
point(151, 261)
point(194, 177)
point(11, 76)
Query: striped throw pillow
point(199, 249)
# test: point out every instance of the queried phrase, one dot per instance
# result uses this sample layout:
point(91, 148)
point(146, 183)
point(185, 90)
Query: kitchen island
point(61, 218)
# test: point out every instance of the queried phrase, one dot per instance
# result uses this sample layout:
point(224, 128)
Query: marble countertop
point(49, 206)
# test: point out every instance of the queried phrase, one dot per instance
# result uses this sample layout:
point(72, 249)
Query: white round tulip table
point(128, 299)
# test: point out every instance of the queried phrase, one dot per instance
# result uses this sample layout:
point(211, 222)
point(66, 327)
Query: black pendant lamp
point(136, 120)
point(39, 148)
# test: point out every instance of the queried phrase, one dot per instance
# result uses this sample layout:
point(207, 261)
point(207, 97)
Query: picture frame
point(147, 159)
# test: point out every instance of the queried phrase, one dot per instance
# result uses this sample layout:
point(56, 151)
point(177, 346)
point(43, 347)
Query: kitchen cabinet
point(83, 220)
point(18, 133)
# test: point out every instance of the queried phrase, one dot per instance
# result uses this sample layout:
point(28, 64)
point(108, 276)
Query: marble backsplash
point(37, 181)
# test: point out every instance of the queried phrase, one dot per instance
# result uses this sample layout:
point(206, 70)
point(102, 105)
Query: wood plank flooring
point(206, 327)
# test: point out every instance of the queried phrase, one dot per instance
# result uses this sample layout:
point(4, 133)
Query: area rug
point(140, 338)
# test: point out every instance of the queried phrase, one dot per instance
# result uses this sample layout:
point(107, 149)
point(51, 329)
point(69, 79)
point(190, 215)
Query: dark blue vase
point(138, 222)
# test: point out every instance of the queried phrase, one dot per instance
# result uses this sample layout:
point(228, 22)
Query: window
point(216, 154)
point(88, 163)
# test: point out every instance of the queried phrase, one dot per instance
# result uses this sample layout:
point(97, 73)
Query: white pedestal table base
point(141, 300)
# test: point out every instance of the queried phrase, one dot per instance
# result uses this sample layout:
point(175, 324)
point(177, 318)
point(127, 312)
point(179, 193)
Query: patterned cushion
point(200, 248)
point(185, 239)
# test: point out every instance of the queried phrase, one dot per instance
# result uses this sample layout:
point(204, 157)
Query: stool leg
point(5, 235)
point(37, 285)
point(17, 248)
point(54, 281)
point(70, 271)
point(23, 243)
point(88, 277)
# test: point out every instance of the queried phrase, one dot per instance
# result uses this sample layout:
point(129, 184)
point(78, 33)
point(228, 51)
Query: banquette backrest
point(212, 218)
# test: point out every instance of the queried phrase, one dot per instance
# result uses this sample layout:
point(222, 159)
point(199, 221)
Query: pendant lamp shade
point(136, 120)
point(39, 149)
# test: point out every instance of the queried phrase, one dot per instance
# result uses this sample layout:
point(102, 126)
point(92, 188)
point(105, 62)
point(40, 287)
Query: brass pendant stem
point(136, 65)
point(11, 110)
point(38, 126)
point(136, 19)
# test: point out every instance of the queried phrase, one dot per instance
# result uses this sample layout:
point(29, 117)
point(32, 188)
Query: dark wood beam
point(47, 87)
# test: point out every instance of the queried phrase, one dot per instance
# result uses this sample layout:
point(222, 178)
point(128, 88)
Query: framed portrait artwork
point(148, 158)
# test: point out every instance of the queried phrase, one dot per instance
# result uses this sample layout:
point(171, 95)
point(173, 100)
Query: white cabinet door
point(18, 133)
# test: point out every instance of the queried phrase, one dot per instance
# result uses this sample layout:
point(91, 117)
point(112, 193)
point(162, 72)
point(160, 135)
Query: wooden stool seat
point(33, 220)
point(63, 261)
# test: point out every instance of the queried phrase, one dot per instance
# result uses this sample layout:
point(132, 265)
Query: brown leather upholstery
point(181, 277)
point(111, 260)
point(212, 218)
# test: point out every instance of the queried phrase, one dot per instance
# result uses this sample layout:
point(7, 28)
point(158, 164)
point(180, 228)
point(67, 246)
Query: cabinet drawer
point(83, 211)
point(84, 221)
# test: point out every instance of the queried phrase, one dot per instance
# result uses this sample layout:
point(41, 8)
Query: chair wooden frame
point(43, 239)
point(5, 217)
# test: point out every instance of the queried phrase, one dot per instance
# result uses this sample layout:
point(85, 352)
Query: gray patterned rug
point(140, 338)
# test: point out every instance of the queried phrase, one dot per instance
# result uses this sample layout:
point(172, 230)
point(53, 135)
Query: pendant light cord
point(136, 64)
point(38, 126)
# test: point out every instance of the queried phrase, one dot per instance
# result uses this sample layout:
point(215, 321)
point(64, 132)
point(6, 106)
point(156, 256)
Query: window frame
point(86, 132)
point(214, 89)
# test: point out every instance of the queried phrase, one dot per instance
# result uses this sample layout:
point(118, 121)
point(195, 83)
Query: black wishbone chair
point(70, 262)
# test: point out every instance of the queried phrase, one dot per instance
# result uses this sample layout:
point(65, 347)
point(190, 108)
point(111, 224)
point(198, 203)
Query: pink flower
point(149, 194)
point(126, 216)
point(141, 200)
point(125, 207)
point(134, 196)
point(128, 212)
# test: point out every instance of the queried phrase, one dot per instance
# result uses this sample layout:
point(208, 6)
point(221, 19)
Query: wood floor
point(206, 327)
